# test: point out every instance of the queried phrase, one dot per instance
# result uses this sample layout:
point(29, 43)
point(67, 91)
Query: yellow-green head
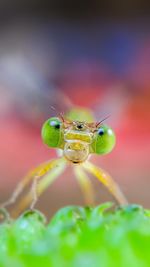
point(78, 138)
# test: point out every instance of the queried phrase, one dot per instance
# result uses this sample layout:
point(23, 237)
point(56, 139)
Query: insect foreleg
point(39, 185)
point(106, 180)
point(39, 171)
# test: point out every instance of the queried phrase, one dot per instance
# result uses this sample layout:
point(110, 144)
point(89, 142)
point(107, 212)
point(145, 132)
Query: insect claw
point(4, 215)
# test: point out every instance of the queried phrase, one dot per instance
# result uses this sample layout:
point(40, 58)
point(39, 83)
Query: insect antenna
point(98, 123)
point(60, 114)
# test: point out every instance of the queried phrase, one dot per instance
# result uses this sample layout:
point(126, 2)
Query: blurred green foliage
point(78, 237)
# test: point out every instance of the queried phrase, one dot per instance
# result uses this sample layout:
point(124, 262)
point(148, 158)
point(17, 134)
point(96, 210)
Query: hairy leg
point(106, 180)
point(39, 171)
point(40, 185)
point(85, 184)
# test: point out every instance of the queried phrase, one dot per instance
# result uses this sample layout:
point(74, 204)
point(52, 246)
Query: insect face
point(78, 139)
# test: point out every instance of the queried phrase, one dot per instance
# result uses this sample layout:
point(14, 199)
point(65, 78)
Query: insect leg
point(85, 185)
point(106, 180)
point(4, 215)
point(40, 185)
point(38, 171)
point(34, 191)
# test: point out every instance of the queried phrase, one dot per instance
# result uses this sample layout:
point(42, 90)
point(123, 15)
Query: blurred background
point(94, 54)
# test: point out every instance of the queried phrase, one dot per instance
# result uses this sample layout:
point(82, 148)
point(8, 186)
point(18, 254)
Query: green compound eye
point(52, 133)
point(104, 140)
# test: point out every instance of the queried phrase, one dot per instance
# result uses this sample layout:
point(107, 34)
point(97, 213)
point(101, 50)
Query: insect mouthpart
point(76, 151)
point(77, 143)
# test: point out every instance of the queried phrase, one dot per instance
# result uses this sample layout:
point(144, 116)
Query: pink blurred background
point(98, 58)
